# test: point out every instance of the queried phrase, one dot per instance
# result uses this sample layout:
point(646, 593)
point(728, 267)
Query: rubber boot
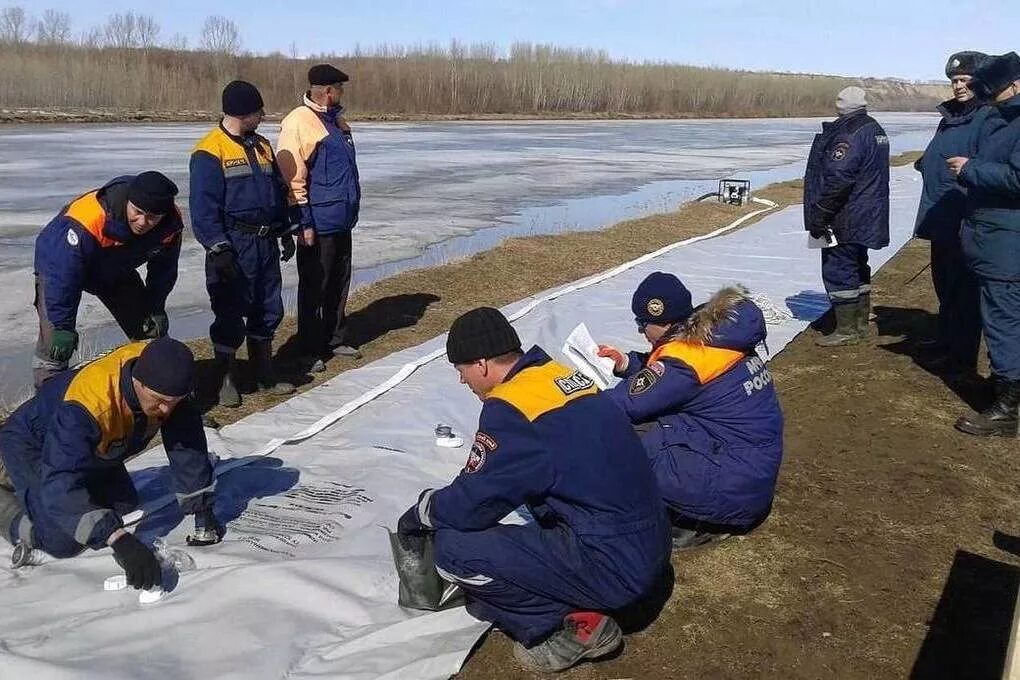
point(260, 356)
point(998, 420)
point(846, 332)
point(226, 371)
point(863, 315)
point(10, 509)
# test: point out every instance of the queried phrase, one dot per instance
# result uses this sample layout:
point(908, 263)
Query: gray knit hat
point(851, 99)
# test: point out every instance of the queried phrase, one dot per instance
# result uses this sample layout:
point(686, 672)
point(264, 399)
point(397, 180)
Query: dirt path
point(880, 502)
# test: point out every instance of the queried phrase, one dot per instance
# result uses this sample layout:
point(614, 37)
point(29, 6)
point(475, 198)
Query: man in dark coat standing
point(846, 198)
point(991, 241)
point(966, 119)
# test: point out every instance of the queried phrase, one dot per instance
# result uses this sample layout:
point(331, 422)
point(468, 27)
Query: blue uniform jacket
point(547, 439)
point(943, 199)
point(991, 230)
point(846, 184)
point(235, 180)
point(89, 247)
point(318, 160)
point(83, 423)
point(717, 443)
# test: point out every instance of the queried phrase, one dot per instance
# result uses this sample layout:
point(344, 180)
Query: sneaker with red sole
point(584, 635)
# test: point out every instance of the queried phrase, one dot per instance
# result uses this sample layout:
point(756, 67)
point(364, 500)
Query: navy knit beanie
point(166, 366)
point(661, 299)
point(482, 333)
point(152, 192)
point(241, 98)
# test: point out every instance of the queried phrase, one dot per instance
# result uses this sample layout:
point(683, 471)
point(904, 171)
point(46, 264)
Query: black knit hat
point(995, 74)
point(166, 366)
point(241, 98)
point(152, 192)
point(661, 299)
point(325, 74)
point(964, 63)
point(482, 333)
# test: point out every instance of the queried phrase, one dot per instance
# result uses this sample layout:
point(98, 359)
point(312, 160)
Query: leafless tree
point(130, 30)
point(220, 34)
point(178, 41)
point(15, 25)
point(54, 28)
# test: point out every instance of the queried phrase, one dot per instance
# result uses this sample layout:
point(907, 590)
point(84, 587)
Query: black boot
point(863, 315)
point(225, 373)
point(846, 333)
point(10, 508)
point(260, 356)
point(1000, 419)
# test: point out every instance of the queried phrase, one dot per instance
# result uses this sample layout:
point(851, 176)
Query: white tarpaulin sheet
point(303, 586)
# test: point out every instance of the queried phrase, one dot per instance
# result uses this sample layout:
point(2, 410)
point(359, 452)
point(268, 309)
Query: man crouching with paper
point(706, 407)
point(549, 441)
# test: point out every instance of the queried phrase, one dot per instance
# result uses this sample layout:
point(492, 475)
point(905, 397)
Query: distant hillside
point(392, 82)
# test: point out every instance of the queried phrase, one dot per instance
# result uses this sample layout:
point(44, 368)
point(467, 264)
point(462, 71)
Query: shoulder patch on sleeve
point(657, 367)
point(483, 445)
point(72, 238)
point(840, 151)
point(642, 381)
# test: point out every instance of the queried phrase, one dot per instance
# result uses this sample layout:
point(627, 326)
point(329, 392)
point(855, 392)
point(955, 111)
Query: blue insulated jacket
point(717, 443)
point(83, 423)
point(548, 440)
point(846, 184)
point(318, 161)
point(235, 181)
point(943, 199)
point(991, 230)
point(90, 247)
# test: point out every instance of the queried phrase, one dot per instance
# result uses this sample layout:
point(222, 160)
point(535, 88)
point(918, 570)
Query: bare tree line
point(123, 65)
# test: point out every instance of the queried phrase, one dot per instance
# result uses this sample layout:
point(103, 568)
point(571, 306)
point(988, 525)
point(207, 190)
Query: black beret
point(324, 74)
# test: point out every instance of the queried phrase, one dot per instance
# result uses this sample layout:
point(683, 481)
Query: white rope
point(773, 314)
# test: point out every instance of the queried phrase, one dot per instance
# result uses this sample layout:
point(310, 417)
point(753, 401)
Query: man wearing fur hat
point(846, 195)
point(966, 120)
point(546, 440)
point(706, 406)
point(991, 241)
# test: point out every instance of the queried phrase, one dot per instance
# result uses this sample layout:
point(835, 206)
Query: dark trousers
point(127, 302)
point(1000, 314)
point(324, 282)
point(959, 295)
point(845, 271)
point(250, 304)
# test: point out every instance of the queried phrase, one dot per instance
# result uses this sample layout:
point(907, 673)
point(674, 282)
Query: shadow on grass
point(968, 636)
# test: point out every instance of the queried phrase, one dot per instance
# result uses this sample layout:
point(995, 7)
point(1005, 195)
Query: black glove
point(287, 247)
point(818, 232)
point(208, 530)
point(409, 523)
point(155, 325)
point(225, 263)
point(63, 344)
point(138, 561)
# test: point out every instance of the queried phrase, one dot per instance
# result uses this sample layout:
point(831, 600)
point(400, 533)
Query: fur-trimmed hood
point(728, 320)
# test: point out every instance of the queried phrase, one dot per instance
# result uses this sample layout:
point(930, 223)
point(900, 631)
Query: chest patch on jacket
point(840, 151)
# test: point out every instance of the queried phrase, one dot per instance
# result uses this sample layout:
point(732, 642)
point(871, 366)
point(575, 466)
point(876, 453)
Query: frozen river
point(432, 191)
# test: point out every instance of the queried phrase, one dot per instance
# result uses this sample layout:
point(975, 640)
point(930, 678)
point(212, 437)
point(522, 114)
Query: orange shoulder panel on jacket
point(708, 363)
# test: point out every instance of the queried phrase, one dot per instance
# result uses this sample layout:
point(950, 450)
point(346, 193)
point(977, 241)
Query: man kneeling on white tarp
point(549, 441)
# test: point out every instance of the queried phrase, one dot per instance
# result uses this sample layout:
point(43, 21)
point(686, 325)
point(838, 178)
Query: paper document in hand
point(826, 241)
point(583, 352)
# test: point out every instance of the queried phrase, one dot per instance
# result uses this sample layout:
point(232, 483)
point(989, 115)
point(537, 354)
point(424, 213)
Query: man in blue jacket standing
point(966, 120)
point(63, 484)
point(706, 406)
point(991, 241)
point(317, 159)
point(239, 214)
point(846, 195)
point(95, 245)
point(546, 440)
